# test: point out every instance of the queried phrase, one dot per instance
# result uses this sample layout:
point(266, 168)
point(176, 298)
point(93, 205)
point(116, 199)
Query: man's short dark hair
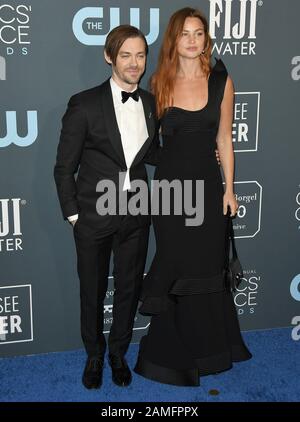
point(116, 38)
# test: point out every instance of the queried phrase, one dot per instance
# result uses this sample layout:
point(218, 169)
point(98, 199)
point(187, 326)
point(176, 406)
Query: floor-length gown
point(194, 329)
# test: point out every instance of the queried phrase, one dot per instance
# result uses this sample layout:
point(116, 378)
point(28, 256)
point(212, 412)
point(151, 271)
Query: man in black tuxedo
point(106, 130)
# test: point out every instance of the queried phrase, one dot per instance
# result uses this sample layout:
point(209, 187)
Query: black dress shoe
point(121, 374)
point(92, 374)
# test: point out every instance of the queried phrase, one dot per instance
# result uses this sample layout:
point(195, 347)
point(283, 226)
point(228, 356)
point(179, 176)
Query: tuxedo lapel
point(111, 121)
point(150, 127)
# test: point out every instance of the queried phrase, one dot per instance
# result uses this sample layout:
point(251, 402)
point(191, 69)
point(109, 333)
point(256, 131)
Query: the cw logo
point(12, 136)
point(2, 69)
point(294, 288)
point(97, 12)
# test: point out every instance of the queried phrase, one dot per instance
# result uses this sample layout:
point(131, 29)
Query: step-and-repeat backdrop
point(51, 49)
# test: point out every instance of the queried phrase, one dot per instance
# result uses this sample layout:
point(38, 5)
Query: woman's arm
point(225, 147)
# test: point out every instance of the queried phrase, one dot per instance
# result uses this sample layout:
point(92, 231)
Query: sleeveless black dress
point(194, 328)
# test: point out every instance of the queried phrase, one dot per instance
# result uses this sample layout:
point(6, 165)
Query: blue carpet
point(273, 374)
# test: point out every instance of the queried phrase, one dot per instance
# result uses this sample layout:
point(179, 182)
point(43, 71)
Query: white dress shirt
point(132, 127)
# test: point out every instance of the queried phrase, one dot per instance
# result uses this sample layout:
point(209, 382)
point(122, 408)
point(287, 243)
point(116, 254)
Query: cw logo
point(97, 12)
point(12, 136)
point(2, 69)
point(294, 288)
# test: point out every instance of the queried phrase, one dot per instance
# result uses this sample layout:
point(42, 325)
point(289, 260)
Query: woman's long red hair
point(162, 81)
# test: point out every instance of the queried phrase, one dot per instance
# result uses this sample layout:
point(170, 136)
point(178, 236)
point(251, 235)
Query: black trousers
point(128, 240)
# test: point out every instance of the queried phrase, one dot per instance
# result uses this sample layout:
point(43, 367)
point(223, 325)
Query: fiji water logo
point(10, 224)
point(12, 136)
point(4, 224)
point(84, 22)
point(235, 21)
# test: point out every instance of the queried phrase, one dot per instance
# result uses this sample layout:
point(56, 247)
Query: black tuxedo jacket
point(91, 142)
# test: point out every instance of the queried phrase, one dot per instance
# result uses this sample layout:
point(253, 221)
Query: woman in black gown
point(194, 328)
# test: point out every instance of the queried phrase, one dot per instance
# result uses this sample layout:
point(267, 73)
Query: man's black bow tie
point(126, 95)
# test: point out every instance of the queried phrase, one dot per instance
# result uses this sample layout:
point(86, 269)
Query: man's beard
point(133, 81)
